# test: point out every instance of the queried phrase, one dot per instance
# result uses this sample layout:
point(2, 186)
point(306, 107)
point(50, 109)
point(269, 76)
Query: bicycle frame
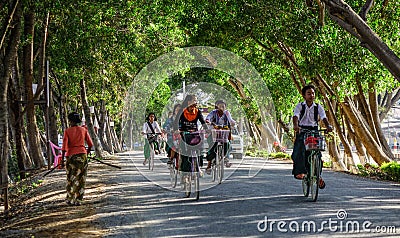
point(220, 136)
point(311, 181)
point(194, 174)
point(151, 145)
point(218, 163)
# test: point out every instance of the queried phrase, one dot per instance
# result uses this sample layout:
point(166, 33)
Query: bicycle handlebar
point(194, 132)
point(308, 130)
point(220, 126)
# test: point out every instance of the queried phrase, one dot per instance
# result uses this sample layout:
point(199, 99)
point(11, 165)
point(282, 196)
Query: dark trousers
point(185, 155)
point(300, 155)
point(211, 154)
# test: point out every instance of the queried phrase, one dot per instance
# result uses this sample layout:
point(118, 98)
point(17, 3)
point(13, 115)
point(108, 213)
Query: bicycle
point(193, 176)
point(314, 141)
point(152, 139)
point(174, 165)
point(219, 136)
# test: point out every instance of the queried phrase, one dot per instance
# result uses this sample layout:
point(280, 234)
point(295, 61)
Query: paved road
point(259, 199)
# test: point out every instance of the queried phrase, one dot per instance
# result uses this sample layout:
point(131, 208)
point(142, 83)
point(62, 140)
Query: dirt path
point(42, 212)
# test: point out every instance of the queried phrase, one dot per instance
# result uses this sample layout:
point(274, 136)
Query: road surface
point(259, 198)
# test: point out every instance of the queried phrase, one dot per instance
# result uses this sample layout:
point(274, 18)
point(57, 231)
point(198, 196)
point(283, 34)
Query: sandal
point(300, 176)
point(321, 183)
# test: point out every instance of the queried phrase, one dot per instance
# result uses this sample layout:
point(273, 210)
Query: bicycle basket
point(220, 135)
point(193, 139)
point(314, 141)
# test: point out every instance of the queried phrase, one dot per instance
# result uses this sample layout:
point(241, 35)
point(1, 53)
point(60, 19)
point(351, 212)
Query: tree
point(356, 25)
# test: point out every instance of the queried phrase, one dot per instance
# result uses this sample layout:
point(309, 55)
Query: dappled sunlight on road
point(136, 206)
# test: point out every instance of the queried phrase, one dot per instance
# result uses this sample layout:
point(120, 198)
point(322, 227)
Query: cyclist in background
point(219, 117)
point(306, 116)
point(150, 127)
point(170, 128)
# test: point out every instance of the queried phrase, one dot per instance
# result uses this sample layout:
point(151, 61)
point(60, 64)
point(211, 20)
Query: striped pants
point(76, 177)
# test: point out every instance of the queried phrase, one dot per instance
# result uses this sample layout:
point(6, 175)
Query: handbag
point(151, 138)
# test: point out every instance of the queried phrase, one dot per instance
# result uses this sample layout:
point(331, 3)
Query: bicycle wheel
point(314, 178)
point(188, 183)
point(213, 170)
point(305, 183)
point(221, 164)
point(173, 173)
point(151, 161)
point(196, 178)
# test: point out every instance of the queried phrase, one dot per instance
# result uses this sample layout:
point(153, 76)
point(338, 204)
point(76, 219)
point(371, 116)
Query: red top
point(74, 140)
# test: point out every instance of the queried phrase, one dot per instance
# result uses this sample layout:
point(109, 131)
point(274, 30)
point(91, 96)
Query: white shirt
point(308, 117)
point(156, 127)
point(220, 120)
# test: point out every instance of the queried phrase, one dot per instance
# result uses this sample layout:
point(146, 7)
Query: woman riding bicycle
point(188, 122)
point(306, 116)
point(220, 118)
point(170, 127)
point(150, 127)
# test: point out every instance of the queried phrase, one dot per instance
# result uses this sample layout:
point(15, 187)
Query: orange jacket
point(74, 140)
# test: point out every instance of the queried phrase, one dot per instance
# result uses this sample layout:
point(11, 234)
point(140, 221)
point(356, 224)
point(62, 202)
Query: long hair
point(176, 106)
point(148, 116)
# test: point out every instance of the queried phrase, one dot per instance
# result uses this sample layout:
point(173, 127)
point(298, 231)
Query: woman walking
point(74, 149)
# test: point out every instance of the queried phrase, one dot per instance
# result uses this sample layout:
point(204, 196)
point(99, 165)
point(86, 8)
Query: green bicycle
point(314, 142)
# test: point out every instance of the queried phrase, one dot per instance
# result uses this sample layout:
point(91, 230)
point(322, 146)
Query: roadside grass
point(387, 171)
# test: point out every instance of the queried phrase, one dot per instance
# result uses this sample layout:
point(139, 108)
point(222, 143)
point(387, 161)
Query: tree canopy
point(349, 50)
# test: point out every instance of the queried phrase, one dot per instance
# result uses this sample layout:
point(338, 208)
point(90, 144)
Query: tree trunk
point(17, 127)
point(52, 120)
point(102, 128)
point(375, 118)
point(337, 162)
point(117, 145)
point(32, 129)
point(108, 134)
point(5, 73)
point(388, 103)
point(85, 106)
point(349, 20)
point(363, 133)
point(357, 143)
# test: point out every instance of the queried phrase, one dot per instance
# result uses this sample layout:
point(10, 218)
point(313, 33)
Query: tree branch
point(8, 24)
point(321, 14)
point(364, 10)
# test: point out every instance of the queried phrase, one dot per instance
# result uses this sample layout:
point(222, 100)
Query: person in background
point(222, 119)
point(150, 127)
point(170, 128)
point(74, 150)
